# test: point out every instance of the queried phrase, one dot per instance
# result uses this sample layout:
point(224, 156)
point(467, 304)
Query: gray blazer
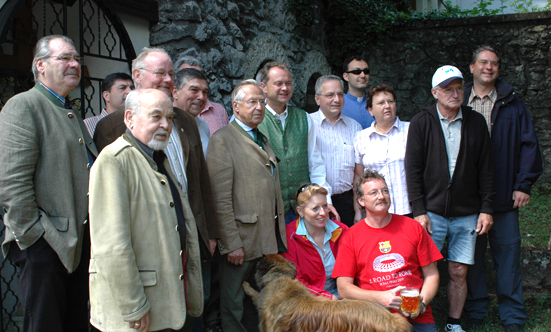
point(245, 192)
point(44, 172)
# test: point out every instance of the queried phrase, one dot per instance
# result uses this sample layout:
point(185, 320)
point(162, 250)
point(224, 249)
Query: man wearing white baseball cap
point(450, 179)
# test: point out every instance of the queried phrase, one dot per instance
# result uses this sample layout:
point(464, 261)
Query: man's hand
point(521, 199)
point(237, 257)
point(485, 222)
point(390, 298)
point(142, 324)
point(424, 220)
point(212, 244)
point(333, 214)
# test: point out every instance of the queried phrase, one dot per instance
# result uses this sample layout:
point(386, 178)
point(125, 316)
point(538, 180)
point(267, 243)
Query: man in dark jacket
point(518, 165)
point(449, 174)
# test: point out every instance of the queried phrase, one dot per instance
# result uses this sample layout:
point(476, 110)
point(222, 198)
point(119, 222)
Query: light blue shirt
point(452, 136)
point(354, 107)
point(204, 131)
point(325, 253)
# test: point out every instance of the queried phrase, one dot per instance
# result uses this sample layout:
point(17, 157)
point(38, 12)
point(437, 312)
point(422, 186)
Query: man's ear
point(106, 96)
point(129, 118)
point(345, 76)
point(361, 201)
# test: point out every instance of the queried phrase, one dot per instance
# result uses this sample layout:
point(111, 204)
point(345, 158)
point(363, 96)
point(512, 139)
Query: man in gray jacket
point(45, 158)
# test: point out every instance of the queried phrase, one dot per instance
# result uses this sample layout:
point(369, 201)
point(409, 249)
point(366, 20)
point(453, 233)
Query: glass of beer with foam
point(410, 300)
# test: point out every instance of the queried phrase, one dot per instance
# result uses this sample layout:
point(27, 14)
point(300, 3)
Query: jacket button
point(89, 166)
point(171, 204)
point(290, 174)
point(88, 194)
point(286, 148)
point(177, 228)
point(182, 129)
point(163, 182)
point(181, 277)
point(181, 253)
point(70, 115)
point(80, 141)
point(85, 222)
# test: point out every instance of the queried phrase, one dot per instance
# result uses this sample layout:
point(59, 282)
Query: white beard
point(156, 144)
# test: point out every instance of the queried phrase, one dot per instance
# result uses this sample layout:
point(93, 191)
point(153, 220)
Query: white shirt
point(176, 158)
point(316, 167)
point(385, 154)
point(336, 145)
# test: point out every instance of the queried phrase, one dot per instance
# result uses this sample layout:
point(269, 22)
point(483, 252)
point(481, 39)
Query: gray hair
point(139, 62)
point(482, 48)
point(325, 78)
point(264, 73)
point(238, 94)
point(187, 74)
point(186, 59)
point(42, 49)
point(133, 101)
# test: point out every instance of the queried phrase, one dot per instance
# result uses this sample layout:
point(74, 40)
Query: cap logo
point(451, 69)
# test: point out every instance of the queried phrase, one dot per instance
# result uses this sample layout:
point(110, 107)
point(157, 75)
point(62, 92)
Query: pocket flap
point(247, 219)
point(148, 278)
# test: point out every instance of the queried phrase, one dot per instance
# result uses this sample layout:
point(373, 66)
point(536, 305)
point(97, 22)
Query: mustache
point(160, 131)
point(381, 201)
point(71, 72)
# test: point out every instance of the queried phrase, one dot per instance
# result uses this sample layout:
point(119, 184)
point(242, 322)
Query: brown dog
point(285, 305)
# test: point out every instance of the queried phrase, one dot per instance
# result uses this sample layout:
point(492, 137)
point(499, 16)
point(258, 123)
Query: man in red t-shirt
point(385, 253)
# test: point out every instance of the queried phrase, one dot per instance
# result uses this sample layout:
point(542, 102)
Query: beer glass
point(410, 300)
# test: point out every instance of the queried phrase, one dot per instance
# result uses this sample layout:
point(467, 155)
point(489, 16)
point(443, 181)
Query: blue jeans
point(461, 235)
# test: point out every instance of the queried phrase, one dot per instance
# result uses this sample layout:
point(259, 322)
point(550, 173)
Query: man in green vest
point(292, 136)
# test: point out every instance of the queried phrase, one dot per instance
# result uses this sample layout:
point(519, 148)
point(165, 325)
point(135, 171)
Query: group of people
point(152, 214)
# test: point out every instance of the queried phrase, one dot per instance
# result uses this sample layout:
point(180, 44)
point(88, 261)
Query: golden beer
point(410, 300)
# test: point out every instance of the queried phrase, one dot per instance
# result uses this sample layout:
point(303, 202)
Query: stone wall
point(408, 61)
point(233, 39)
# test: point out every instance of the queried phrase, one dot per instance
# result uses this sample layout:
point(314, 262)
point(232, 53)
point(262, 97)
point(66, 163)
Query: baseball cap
point(444, 75)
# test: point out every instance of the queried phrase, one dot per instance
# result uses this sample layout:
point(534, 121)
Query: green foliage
point(355, 25)
point(535, 220)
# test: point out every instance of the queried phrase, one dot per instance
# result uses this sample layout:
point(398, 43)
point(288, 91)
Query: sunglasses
point(359, 71)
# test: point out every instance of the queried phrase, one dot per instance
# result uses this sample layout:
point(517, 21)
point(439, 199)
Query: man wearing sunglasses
point(356, 73)
point(46, 156)
point(450, 180)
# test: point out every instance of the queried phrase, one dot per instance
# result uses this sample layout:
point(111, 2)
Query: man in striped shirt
point(114, 89)
point(335, 141)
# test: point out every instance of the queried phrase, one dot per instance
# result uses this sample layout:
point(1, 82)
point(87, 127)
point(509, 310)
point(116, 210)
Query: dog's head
point(272, 267)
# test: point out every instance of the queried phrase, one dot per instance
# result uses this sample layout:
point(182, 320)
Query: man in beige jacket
point(145, 265)
point(245, 181)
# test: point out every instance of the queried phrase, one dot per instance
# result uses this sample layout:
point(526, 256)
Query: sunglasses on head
point(359, 71)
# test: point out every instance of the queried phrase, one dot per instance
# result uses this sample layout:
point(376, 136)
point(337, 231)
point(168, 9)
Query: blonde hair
point(306, 192)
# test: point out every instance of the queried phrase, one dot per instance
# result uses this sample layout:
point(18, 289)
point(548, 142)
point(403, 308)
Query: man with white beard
point(145, 263)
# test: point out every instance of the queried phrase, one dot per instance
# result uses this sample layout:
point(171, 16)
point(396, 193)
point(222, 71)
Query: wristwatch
point(424, 308)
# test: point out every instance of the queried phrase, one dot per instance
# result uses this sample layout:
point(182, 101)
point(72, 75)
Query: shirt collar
point(322, 117)
point(356, 99)
point(330, 227)
point(56, 95)
point(492, 95)
point(397, 125)
point(459, 115)
point(242, 125)
point(278, 116)
point(149, 151)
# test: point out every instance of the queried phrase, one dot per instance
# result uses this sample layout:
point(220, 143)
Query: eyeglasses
point(484, 63)
point(375, 193)
point(333, 94)
point(254, 102)
point(160, 73)
point(450, 91)
point(67, 58)
point(359, 71)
